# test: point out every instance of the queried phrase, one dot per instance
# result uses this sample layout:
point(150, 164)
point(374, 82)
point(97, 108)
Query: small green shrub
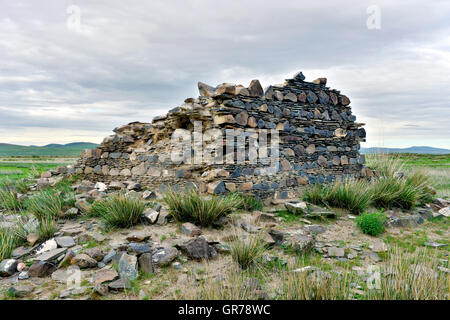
point(190, 206)
point(119, 210)
point(8, 242)
point(247, 252)
point(371, 223)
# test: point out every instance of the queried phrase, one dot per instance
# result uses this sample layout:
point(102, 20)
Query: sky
point(73, 70)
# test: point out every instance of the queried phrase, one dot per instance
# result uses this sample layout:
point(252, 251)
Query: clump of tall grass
point(47, 203)
point(350, 194)
point(190, 206)
point(316, 285)
point(236, 286)
point(21, 186)
point(247, 252)
point(394, 186)
point(119, 210)
point(46, 228)
point(411, 277)
point(8, 241)
point(9, 200)
point(249, 202)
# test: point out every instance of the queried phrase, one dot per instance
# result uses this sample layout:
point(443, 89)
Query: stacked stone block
point(318, 141)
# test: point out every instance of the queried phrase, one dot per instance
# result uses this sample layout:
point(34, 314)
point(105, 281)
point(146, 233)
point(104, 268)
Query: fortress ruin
point(268, 142)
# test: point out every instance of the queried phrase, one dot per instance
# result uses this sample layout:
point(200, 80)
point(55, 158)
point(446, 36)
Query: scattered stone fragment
point(21, 291)
point(138, 248)
point(8, 267)
point(65, 241)
point(109, 256)
point(84, 261)
point(164, 256)
point(50, 255)
point(120, 284)
point(46, 246)
point(41, 269)
point(146, 263)
point(296, 207)
point(434, 244)
point(148, 195)
point(336, 252)
point(198, 249)
point(315, 229)
point(105, 275)
point(138, 236)
point(379, 247)
point(190, 229)
point(128, 267)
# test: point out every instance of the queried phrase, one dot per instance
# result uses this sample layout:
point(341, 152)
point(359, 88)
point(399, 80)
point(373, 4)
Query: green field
point(19, 170)
point(53, 150)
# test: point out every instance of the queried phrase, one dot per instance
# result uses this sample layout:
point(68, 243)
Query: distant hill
point(53, 150)
point(420, 150)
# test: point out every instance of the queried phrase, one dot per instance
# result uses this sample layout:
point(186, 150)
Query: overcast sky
point(126, 61)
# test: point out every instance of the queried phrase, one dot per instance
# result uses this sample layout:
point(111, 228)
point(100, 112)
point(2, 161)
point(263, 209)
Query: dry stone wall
point(318, 141)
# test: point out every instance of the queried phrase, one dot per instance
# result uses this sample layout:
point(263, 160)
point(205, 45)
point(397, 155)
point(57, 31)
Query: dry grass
point(411, 277)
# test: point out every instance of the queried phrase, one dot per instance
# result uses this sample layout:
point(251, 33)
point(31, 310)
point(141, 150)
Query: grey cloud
point(135, 60)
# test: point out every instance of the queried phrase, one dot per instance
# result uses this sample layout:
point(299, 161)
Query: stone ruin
point(318, 141)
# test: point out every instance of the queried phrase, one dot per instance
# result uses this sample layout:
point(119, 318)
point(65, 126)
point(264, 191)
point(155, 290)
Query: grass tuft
point(119, 210)
point(190, 206)
point(352, 195)
point(250, 202)
point(46, 204)
point(247, 252)
point(8, 241)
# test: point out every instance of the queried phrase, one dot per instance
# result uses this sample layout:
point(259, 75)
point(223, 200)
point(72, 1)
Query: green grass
point(371, 223)
point(9, 200)
point(435, 167)
point(190, 206)
point(247, 252)
point(69, 150)
point(25, 170)
point(8, 241)
point(119, 211)
point(414, 276)
point(46, 203)
point(47, 228)
point(352, 195)
point(395, 186)
point(249, 202)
